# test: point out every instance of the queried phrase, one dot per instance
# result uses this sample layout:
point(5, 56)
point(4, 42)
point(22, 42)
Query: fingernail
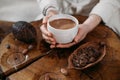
point(52, 46)
point(58, 46)
point(49, 34)
point(52, 39)
point(75, 40)
point(44, 24)
point(52, 42)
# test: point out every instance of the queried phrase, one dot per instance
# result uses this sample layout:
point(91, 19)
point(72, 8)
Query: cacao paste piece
point(24, 32)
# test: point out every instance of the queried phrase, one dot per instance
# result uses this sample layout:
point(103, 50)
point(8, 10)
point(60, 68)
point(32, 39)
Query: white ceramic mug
point(66, 35)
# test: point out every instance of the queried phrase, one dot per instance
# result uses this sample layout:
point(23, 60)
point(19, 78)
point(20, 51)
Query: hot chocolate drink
point(62, 23)
point(64, 27)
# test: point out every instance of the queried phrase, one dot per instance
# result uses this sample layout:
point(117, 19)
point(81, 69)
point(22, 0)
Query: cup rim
point(67, 16)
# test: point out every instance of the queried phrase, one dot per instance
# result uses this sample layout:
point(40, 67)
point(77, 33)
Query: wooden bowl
point(96, 47)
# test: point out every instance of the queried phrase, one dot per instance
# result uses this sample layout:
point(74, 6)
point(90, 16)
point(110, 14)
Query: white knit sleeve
point(51, 4)
point(106, 9)
point(109, 11)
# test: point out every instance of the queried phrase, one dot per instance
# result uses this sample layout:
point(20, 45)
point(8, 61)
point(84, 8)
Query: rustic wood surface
point(50, 65)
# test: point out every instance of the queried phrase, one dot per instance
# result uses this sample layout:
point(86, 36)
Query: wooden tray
point(107, 69)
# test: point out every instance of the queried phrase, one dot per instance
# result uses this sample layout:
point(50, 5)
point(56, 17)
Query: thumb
point(45, 19)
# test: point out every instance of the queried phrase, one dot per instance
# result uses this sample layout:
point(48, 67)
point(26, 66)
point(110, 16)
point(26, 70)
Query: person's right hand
point(47, 36)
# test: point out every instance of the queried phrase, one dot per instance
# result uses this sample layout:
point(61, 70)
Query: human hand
point(89, 24)
point(82, 32)
point(47, 36)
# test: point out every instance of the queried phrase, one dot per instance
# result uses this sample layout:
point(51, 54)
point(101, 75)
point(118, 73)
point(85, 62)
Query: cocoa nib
point(24, 31)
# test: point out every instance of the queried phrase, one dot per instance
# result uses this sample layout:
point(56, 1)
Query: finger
point(65, 45)
point(79, 36)
point(52, 46)
point(49, 39)
point(76, 39)
point(45, 19)
point(52, 43)
point(45, 31)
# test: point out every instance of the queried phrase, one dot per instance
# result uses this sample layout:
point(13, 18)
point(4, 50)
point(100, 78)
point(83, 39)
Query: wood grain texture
point(50, 65)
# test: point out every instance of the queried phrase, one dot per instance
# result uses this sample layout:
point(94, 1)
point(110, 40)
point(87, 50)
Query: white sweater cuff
point(46, 3)
point(104, 10)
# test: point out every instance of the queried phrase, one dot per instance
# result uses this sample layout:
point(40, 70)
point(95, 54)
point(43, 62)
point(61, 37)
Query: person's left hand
point(82, 32)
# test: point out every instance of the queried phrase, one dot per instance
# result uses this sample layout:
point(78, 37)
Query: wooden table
point(50, 65)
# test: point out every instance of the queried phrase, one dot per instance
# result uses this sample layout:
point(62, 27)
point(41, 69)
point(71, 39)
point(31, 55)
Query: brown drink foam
point(62, 23)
